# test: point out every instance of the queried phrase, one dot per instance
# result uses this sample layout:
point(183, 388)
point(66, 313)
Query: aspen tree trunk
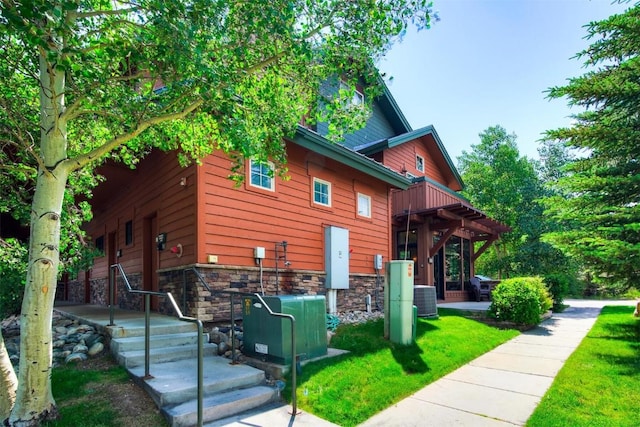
point(34, 399)
point(8, 382)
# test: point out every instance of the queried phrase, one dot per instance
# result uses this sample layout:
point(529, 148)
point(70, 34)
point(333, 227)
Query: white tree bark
point(34, 399)
point(8, 382)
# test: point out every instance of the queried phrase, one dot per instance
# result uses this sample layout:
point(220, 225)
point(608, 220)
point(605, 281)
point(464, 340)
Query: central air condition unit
point(424, 297)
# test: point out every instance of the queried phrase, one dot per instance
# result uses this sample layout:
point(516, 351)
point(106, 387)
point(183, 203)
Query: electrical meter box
point(336, 257)
point(398, 302)
point(269, 337)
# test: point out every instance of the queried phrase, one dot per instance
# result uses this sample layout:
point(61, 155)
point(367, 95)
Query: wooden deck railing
point(423, 195)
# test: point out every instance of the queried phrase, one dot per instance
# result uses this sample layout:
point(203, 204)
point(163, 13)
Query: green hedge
point(558, 286)
point(521, 300)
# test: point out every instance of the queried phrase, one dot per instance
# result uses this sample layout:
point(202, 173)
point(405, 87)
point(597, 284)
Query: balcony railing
point(424, 195)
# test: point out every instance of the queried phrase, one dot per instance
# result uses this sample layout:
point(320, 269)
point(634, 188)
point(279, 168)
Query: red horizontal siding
point(153, 189)
point(239, 219)
point(403, 158)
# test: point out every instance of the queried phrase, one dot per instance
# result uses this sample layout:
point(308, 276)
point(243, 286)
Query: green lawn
point(599, 384)
point(376, 374)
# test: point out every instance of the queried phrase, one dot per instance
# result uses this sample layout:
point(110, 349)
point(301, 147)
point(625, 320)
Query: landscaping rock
point(355, 317)
point(72, 341)
point(95, 349)
point(76, 357)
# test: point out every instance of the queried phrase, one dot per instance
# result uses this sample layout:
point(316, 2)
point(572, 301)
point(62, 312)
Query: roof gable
point(428, 136)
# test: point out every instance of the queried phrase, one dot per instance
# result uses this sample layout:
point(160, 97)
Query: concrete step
point(119, 345)
point(158, 326)
point(133, 358)
point(176, 382)
point(221, 405)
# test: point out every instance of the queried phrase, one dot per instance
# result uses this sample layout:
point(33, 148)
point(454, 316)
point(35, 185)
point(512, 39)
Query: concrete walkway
point(503, 386)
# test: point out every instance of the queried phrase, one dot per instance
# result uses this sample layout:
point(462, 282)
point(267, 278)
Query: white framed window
point(321, 192)
point(262, 175)
point(358, 97)
point(364, 205)
point(419, 163)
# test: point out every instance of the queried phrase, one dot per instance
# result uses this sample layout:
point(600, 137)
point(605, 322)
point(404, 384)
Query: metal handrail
point(147, 328)
point(292, 319)
point(202, 280)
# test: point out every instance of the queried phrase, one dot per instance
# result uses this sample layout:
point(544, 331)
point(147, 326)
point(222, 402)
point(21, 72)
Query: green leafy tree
point(506, 186)
point(598, 200)
point(89, 80)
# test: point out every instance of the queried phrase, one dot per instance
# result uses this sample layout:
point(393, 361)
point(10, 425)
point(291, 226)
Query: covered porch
point(443, 234)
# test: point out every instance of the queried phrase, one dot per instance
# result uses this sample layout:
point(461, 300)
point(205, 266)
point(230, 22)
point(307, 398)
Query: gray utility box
point(336, 257)
point(269, 337)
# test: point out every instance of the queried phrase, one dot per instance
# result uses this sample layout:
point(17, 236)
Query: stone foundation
point(194, 300)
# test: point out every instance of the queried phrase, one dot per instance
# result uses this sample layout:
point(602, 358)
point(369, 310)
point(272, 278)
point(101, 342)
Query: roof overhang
point(464, 217)
point(316, 143)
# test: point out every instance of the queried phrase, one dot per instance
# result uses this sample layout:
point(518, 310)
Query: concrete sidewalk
point(503, 386)
point(499, 388)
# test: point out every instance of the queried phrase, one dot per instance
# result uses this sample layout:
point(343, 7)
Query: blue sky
point(489, 62)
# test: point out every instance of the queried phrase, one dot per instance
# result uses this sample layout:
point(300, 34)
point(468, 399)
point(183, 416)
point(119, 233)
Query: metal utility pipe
point(147, 334)
point(261, 285)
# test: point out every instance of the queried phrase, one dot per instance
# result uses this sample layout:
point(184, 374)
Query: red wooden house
point(316, 233)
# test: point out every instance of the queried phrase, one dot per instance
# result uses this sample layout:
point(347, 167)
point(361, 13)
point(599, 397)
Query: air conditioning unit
point(424, 297)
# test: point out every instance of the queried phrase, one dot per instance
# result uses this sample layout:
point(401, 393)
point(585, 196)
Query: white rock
point(96, 348)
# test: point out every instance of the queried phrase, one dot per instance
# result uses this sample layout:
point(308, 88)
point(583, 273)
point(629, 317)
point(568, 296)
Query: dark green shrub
point(558, 286)
point(13, 270)
point(521, 300)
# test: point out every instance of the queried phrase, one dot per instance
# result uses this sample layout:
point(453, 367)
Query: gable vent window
point(358, 97)
point(420, 163)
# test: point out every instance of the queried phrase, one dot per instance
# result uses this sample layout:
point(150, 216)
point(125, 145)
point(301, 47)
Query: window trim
point(272, 180)
point(128, 233)
point(369, 200)
point(419, 163)
point(313, 192)
point(99, 245)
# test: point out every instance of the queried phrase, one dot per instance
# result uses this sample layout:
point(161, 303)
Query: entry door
point(150, 258)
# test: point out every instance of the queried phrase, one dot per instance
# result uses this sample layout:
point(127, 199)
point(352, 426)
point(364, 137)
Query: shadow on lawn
point(410, 356)
point(628, 333)
point(360, 343)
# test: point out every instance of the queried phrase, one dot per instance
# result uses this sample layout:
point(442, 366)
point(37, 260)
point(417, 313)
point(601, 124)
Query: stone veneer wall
point(75, 291)
point(217, 307)
point(194, 300)
point(99, 292)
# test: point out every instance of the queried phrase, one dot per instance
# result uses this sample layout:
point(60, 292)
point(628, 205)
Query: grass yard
point(376, 374)
point(599, 383)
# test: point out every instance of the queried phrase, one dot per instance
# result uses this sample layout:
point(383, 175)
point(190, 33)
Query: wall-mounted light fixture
point(161, 241)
